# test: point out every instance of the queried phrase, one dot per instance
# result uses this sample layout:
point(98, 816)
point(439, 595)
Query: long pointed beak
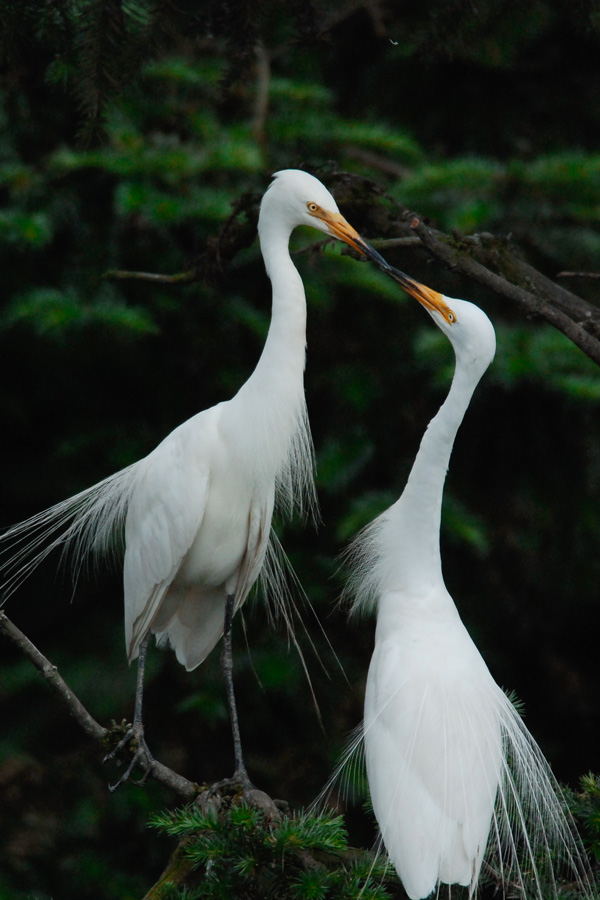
point(343, 230)
point(432, 300)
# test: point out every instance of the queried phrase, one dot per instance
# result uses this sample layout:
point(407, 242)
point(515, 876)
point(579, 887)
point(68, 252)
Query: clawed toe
point(239, 784)
point(135, 740)
point(239, 781)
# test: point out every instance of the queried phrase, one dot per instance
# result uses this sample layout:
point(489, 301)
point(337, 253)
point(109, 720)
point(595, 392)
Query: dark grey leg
point(240, 774)
point(136, 731)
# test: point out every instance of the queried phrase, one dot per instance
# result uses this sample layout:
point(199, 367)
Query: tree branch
point(531, 303)
point(263, 81)
point(55, 681)
point(187, 277)
point(103, 736)
point(485, 258)
point(578, 275)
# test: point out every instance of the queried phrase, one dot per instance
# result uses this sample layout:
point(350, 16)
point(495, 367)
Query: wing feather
point(191, 616)
point(163, 518)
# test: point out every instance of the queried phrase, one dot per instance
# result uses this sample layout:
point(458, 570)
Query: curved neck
point(274, 420)
point(281, 364)
point(413, 522)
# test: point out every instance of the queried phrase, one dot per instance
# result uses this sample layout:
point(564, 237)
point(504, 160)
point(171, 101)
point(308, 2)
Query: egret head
point(298, 198)
point(467, 327)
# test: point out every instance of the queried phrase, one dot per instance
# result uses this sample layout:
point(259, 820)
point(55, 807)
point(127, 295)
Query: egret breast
point(220, 543)
point(433, 745)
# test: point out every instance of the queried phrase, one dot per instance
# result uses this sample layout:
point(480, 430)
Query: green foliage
point(56, 314)
point(547, 357)
point(241, 852)
point(20, 228)
point(462, 525)
point(464, 193)
point(585, 809)
point(303, 112)
point(128, 132)
point(477, 193)
point(525, 354)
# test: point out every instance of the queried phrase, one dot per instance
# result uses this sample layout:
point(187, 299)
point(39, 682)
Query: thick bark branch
point(532, 304)
point(159, 772)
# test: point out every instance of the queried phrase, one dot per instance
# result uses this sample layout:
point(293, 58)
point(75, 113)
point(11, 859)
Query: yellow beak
point(430, 299)
point(343, 230)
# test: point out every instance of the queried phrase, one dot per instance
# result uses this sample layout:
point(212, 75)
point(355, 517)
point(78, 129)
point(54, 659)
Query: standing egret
point(197, 510)
point(453, 773)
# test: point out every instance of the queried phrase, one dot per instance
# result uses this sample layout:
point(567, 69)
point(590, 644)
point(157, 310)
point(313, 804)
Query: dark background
point(127, 131)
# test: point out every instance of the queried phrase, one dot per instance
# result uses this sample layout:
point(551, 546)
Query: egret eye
point(313, 207)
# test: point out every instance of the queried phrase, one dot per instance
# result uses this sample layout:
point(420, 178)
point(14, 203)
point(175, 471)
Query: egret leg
point(251, 795)
point(135, 732)
point(240, 775)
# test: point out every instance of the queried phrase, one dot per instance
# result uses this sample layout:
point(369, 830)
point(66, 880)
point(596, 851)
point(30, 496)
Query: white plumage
point(433, 745)
point(196, 512)
point(454, 775)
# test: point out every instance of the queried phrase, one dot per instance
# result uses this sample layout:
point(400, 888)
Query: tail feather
point(533, 841)
point(191, 621)
point(89, 523)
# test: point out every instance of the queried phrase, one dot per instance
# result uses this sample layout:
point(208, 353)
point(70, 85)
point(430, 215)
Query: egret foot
point(134, 738)
point(238, 783)
point(240, 787)
point(134, 734)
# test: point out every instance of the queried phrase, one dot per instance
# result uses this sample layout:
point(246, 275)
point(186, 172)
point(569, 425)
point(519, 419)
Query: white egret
point(453, 773)
point(197, 510)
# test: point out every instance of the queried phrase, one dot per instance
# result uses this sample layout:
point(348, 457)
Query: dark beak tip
point(374, 256)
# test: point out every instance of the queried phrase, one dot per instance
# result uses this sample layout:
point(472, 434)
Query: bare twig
point(181, 278)
point(377, 161)
point(578, 275)
point(159, 772)
point(574, 306)
point(261, 105)
point(391, 243)
point(56, 682)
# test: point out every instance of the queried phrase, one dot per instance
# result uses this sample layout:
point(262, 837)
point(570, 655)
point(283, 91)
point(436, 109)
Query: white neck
point(273, 397)
point(410, 529)
point(279, 371)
